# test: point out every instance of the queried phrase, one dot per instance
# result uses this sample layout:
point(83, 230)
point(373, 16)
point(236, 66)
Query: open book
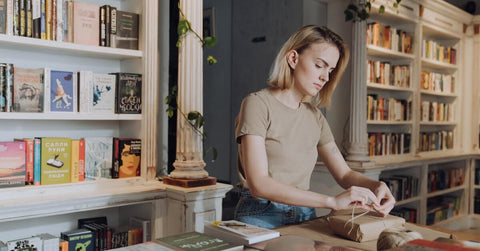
point(239, 232)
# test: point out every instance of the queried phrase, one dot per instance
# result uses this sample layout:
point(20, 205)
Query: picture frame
point(209, 22)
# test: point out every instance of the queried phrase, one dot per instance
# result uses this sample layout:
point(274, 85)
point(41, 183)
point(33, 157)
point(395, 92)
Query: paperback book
point(103, 91)
point(28, 90)
point(60, 91)
point(79, 239)
point(98, 157)
point(126, 157)
point(239, 232)
point(56, 160)
point(128, 98)
point(195, 241)
point(125, 30)
point(12, 164)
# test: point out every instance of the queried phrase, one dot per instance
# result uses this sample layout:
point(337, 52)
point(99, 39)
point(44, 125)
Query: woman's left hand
point(387, 201)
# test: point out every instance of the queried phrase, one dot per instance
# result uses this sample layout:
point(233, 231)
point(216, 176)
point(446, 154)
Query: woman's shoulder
point(258, 96)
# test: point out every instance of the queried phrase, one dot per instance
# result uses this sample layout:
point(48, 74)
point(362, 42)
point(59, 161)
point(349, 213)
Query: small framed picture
point(209, 22)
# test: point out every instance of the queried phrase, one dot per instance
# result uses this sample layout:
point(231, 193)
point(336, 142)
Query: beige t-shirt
point(291, 136)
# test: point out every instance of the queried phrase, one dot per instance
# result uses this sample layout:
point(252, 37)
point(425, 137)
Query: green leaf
point(179, 43)
point(398, 1)
point(193, 115)
point(348, 15)
point(211, 60)
point(210, 41)
point(381, 10)
point(368, 6)
point(363, 15)
point(183, 27)
point(395, 5)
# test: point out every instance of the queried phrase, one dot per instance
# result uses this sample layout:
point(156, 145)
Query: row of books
point(434, 111)
point(434, 141)
point(92, 234)
point(52, 91)
point(381, 143)
point(402, 186)
point(57, 160)
point(409, 214)
point(445, 178)
point(437, 82)
point(385, 36)
point(435, 51)
point(388, 109)
point(70, 21)
point(385, 73)
point(442, 207)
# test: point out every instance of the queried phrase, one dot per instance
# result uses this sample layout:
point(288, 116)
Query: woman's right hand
point(358, 197)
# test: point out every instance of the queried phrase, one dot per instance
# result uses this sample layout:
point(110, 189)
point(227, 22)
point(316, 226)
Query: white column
point(189, 162)
point(357, 138)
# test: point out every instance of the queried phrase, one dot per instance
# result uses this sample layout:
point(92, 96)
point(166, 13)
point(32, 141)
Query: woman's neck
point(287, 97)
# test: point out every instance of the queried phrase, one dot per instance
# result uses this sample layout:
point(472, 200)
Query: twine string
point(352, 219)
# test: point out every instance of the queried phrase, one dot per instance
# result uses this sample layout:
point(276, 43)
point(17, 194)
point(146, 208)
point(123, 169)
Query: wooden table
point(318, 229)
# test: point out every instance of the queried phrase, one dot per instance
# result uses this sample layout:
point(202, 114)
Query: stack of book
point(239, 232)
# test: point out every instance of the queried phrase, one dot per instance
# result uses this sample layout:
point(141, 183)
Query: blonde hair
point(281, 72)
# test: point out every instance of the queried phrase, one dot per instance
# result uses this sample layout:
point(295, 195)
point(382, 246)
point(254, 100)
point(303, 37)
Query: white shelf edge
point(437, 64)
point(68, 48)
point(445, 191)
point(438, 31)
point(373, 50)
point(388, 87)
point(430, 123)
point(67, 116)
point(388, 122)
point(440, 94)
point(406, 201)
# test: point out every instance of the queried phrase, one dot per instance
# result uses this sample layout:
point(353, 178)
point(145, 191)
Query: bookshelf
point(54, 208)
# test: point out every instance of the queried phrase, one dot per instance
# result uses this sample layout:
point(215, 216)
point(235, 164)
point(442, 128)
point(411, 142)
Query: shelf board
point(443, 123)
point(67, 116)
point(440, 94)
point(438, 65)
point(446, 191)
point(406, 201)
point(79, 50)
point(438, 33)
point(388, 122)
point(388, 87)
point(476, 186)
point(373, 50)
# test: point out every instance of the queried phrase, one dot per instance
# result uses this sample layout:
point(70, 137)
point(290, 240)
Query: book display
point(239, 232)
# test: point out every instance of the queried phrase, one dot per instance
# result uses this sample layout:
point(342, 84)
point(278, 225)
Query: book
point(12, 164)
point(28, 90)
point(98, 157)
point(50, 242)
point(239, 232)
point(126, 30)
point(126, 157)
point(37, 155)
point(79, 239)
point(144, 224)
point(428, 245)
point(128, 97)
point(63, 245)
point(60, 91)
point(22, 244)
point(197, 241)
point(3, 16)
point(75, 166)
point(3, 246)
point(103, 91)
point(293, 242)
point(29, 160)
point(86, 18)
point(56, 160)
point(81, 160)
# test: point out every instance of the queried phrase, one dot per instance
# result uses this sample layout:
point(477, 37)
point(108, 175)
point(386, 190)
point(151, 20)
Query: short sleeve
point(326, 135)
point(252, 118)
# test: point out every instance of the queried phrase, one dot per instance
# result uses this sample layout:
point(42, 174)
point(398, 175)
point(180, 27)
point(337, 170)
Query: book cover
point(75, 160)
point(86, 18)
point(3, 16)
point(126, 157)
point(98, 157)
point(103, 91)
point(195, 241)
point(63, 245)
point(37, 155)
point(29, 160)
point(60, 91)
point(28, 243)
point(56, 160)
point(50, 242)
point(128, 98)
point(126, 30)
point(79, 239)
point(239, 232)
point(81, 160)
point(12, 164)
point(28, 90)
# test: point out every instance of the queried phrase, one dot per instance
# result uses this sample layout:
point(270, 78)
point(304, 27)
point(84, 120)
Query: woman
point(281, 132)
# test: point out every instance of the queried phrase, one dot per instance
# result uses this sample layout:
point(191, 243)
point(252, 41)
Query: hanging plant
point(361, 11)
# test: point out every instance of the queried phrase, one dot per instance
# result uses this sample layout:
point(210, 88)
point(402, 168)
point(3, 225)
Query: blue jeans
point(269, 214)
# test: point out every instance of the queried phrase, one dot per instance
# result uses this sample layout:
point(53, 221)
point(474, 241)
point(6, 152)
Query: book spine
point(75, 160)
point(28, 19)
point(3, 83)
point(54, 20)
point(60, 14)
point(29, 147)
point(9, 87)
point(48, 19)
point(113, 25)
point(81, 160)
point(37, 152)
point(43, 19)
point(9, 19)
point(116, 158)
point(16, 17)
point(22, 19)
point(46, 79)
point(102, 31)
point(3, 16)
point(70, 21)
point(36, 16)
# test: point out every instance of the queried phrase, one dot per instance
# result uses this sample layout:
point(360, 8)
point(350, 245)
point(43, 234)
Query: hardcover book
point(239, 232)
point(23, 244)
point(98, 157)
point(56, 160)
point(126, 157)
point(12, 164)
point(126, 30)
point(197, 241)
point(79, 239)
point(28, 90)
point(60, 91)
point(128, 98)
point(86, 18)
point(103, 91)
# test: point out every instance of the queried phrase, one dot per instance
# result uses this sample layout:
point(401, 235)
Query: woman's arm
point(346, 178)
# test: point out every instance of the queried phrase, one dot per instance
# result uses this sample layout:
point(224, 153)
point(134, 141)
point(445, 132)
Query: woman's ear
point(292, 58)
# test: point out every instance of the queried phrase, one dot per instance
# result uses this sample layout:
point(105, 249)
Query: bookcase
point(30, 210)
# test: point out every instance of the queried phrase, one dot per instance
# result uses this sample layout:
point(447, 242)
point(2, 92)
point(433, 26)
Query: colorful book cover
point(81, 160)
point(126, 157)
point(126, 30)
point(28, 90)
point(61, 91)
point(197, 241)
point(37, 156)
point(98, 157)
point(103, 93)
point(29, 160)
point(56, 160)
point(128, 98)
point(79, 239)
point(29, 243)
point(75, 160)
point(12, 164)
point(86, 23)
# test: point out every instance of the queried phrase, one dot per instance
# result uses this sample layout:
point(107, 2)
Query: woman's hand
point(358, 197)
point(387, 201)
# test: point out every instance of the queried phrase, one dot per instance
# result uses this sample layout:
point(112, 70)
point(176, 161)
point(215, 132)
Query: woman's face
point(129, 161)
point(313, 66)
